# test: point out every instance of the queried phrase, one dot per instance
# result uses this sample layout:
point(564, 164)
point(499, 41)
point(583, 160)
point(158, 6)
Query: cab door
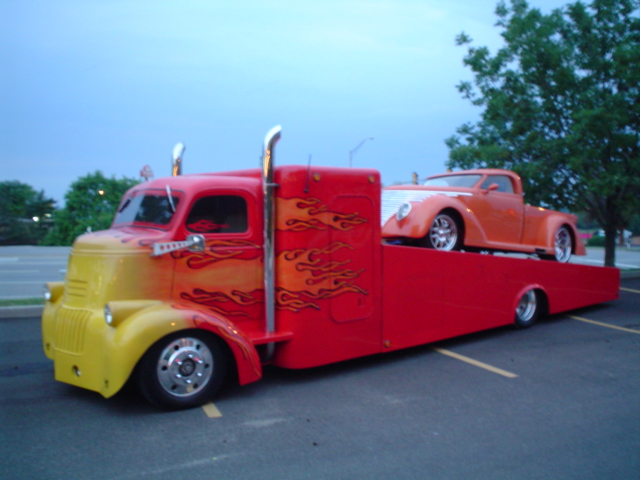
point(225, 278)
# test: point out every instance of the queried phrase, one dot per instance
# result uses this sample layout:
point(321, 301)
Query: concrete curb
point(22, 311)
point(629, 273)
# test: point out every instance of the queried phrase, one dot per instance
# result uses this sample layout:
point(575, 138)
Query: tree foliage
point(561, 106)
point(90, 205)
point(24, 213)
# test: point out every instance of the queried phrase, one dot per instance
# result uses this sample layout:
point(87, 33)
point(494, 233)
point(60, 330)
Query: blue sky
point(113, 85)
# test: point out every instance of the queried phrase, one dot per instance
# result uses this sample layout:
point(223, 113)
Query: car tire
point(563, 244)
point(183, 370)
point(528, 309)
point(445, 233)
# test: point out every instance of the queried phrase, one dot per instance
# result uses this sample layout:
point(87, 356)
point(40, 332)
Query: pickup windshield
point(453, 181)
point(146, 208)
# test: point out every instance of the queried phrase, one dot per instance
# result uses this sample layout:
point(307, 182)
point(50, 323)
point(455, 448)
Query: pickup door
point(500, 211)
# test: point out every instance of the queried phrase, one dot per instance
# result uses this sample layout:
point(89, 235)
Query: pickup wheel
point(182, 370)
point(527, 310)
point(444, 234)
point(562, 244)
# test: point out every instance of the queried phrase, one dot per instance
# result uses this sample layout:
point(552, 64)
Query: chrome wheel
point(443, 234)
point(562, 244)
point(527, 309)
point(183, 370)
point(185, 366)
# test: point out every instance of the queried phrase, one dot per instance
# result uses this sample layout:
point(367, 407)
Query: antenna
point(306, 188)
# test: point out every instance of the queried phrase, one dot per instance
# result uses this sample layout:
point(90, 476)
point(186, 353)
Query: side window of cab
point(218, 214)
point(503, 182)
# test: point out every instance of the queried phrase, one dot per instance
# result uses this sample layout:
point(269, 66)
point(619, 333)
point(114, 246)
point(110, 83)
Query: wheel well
point(544, 301)
point(232, 367)
point(573, 237)
point(453, 213)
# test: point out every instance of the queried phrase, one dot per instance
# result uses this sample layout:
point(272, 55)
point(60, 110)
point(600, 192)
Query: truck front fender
point(130, 340)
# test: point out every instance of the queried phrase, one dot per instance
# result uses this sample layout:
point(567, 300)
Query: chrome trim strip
point(392, 199)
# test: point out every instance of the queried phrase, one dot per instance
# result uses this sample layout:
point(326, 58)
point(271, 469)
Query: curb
point(21, 311)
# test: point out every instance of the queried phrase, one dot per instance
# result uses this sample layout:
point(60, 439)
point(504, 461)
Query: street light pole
point(352, 153)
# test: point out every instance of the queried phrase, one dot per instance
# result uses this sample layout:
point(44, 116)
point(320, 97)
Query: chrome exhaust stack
point(268, 190)
point(176, 165)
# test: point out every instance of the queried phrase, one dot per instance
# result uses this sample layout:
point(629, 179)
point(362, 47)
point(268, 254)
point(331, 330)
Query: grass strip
point(18, 302)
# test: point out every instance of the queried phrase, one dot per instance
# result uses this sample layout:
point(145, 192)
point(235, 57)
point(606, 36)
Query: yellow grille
point(71, 325)
point(77, 288)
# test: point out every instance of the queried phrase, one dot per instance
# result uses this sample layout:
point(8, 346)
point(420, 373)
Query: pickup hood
point(393, 197)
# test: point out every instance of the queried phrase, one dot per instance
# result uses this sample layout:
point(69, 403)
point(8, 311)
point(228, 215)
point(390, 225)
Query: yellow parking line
point(630, 330)
point(211, 410)
point(630, 290)
point(476, 363)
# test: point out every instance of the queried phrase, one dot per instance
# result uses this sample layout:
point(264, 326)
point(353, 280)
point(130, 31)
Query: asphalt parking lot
point(560, 400)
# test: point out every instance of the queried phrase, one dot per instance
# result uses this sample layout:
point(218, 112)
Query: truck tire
point(563, 246)
point(182, 370)
point(527, 310)
point(445, 233)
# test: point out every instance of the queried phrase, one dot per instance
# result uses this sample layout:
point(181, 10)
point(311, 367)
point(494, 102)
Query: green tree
point(561, 107)
point(90, 205)
point(24, 213)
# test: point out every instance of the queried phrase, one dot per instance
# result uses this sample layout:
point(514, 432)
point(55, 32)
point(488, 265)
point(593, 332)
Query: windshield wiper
point(173, 207)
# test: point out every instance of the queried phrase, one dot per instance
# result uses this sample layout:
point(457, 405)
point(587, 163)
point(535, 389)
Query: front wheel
point(444, 234)
point(182, 370)
point(527, 310)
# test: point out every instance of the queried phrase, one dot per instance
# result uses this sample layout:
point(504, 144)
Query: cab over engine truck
point(204, 274)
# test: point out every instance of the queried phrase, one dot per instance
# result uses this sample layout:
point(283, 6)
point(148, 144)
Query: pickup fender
point(419, 220)
point(548, 229)
point(128, 342)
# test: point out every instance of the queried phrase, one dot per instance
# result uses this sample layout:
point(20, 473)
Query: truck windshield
point(453, 181)
point(150, 207)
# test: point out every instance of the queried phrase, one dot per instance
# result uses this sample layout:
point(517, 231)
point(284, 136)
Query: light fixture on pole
point(352, 153)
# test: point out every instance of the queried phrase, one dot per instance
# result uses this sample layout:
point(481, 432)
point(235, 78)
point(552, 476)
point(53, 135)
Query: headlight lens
point(108, 317)
point(403, 211)
point(52, 291)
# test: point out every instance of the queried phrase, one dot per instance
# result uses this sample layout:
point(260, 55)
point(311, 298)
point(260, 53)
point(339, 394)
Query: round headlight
point(403, 211)
point(108, 317)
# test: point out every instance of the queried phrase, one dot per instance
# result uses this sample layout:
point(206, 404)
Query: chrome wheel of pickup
point(562, 245)
point(444, 233)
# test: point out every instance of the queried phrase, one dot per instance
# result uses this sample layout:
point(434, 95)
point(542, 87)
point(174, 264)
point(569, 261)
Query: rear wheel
point(562, 244)
point(182, 370)
point(444, 234)
point(527, 310)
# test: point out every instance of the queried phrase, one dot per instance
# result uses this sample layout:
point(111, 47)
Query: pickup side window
point(218, 214)
point(504, 183)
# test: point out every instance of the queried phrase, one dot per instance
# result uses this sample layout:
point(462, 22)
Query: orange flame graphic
point(215, 300)
point(304, 277)
point(298, 214)
point(214, 253)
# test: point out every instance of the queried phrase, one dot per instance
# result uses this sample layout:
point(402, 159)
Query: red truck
point(201, 275)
